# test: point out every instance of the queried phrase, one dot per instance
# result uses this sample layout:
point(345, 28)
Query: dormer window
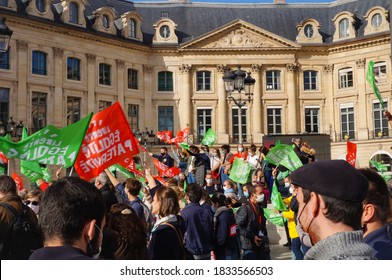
point(165, 31)
point(105, 21)
point(343, 28)
point(308, 30)
point(132, 28)
point(40, 5)
point(73, 13)
point(376, 20)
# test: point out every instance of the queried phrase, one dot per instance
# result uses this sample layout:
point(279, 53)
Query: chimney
point(279, 1)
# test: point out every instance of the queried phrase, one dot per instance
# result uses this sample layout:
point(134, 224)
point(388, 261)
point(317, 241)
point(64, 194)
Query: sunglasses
point(28, 202)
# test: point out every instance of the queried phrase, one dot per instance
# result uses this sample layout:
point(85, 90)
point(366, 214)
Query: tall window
point(4, 105)
point(236, 124)
point(380, 122)
point(344, 28)
point(105, 21)
point(38, 110)
point(73, 13)
point(274, 119)
point(132, 78)
point(104, 74)
point(73, 68)
point(346, 77)
point(165, 118)
point(165, 81)
point(133, 116)
point(5, 60)
point(376, 20)
point(73, 109)
point(102, 105)
point(347, 122)
point(132, 28)
point(39, 63)
point(40, 5)
point(310, 80)
point(204, 122)
point(312, 116)
point(203, 80)
point(380, 71)
point(273, 80)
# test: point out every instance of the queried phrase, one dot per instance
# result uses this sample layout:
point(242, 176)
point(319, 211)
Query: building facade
point(164, 63)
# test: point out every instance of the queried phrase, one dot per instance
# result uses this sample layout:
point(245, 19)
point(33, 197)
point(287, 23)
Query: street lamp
point(14, 130)
point(5, 36)
point(237, 81)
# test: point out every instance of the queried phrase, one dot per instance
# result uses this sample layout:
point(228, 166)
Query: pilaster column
point(361, 120)
point(22, 95)
point(149, 108)
point(120, 81)
point(185, 106)
point(328, 112)
point(292, 99)
point(57, 114)
point(91, 73)
point(256, 115)
point(221, 118)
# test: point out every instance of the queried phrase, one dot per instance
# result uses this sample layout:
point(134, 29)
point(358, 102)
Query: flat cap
point(332, 178)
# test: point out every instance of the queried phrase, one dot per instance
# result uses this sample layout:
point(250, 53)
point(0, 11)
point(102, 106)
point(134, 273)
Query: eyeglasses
point(28, 202)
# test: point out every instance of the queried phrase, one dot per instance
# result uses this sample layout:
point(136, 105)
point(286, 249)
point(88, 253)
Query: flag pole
point(70, 173)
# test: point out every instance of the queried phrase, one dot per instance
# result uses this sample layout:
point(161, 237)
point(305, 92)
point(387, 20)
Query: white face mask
point(260, 198)
point(35, 208)
point(209, 181)
point(291, 190)
point(287, 184)
point(240, 149)
point(225, 188)
point(96, 256)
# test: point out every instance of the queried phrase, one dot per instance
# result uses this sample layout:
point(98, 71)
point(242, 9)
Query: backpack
point(23, 236)
point(148, 217)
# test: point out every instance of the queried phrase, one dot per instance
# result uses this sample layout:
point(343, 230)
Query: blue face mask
point(213, 209)
point(246, 194)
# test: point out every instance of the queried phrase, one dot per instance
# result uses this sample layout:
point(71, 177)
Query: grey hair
point(103, 178)
point(296, 139)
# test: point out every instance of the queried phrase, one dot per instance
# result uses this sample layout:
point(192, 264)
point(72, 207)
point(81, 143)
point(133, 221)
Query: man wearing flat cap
point(330, 195)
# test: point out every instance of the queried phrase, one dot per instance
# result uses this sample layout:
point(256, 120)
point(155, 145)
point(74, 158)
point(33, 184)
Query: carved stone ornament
point(328, 68)
point(148, 68)
point(90, 58)
point(241, 39)
point(120, 63)
point(256, 68)
point(291, 67)
point(185, 68)
point(58, 52)
point(220, 68)
point(361, 63)
point(22, 45)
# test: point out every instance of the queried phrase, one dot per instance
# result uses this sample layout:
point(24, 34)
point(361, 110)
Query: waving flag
point(371, 80)
point(162, 168)
point(276, 199)
point(181, 135)
point(165, 136)
point(284, 155)
point(18, 181)
point(351, 155)
point(30, 169)
point(3, 163)
point(49, 145)
point(209, 138)
point(108, 140)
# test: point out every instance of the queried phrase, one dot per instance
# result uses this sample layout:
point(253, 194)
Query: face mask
point(303, 236)
point(306, 239)
point(213, 209)
point(287, 184)
point(240, 149)
point(209, 181)
point(96, 256)
point(163, 154)
point(214, 154)
point(35, 208)
point(225, 188)
point(201, 202)
point(93, 250)
point(246, 194)
point(223, 152)
point(291, 190)
point(259, 198)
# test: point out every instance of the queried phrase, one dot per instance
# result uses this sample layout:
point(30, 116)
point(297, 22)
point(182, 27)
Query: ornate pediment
point(238, 35)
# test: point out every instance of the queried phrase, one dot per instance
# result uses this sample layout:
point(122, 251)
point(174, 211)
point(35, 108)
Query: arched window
point(105, 21)
point(40, 5)
point(132, 28)
point(344, 28)
point(73, 13)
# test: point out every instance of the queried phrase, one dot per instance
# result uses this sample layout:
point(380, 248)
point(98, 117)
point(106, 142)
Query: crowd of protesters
point(334, 211)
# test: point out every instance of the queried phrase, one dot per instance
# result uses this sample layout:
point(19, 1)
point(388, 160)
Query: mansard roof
point(196, 19)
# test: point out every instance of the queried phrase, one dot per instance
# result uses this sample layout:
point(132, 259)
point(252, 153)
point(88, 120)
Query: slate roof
point(195, 19)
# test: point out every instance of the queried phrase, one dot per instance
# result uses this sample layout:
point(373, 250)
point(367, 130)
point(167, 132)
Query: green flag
point(49, 145)
point(282, 175)
point(273, 217)
point(372, 82)
point(184, 145)
point(379, 166)
point(209, 138)
point(116, 167)
point(276, 199)
point(239, 172)
point(284, 155)
point(31, 169)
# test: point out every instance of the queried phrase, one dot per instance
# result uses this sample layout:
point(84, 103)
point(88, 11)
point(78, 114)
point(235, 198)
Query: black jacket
point(109, 196)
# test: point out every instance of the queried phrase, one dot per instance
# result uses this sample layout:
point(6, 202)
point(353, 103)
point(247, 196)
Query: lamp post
point(15, 131)
point(238, 81)
point(5, 36)
point(145, 137)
